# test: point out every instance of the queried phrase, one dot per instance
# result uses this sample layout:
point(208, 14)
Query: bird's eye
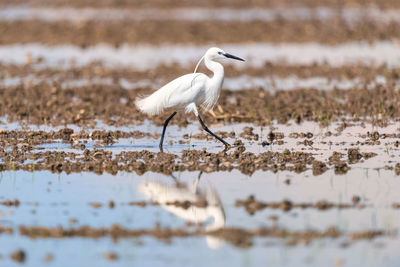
point(219, 53)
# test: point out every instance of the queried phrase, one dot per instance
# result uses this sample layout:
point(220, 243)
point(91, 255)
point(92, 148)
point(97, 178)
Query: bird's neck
point(214, 84)
point(217, 69)
point(219, 218)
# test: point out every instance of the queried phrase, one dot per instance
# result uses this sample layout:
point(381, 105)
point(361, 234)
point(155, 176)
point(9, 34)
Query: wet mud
point(88, 33)
point(100, 161)
point(252, 205)
point(93, 152)
point(208, 3)
point(52, 105)
point(366, 74)
point(236, 236)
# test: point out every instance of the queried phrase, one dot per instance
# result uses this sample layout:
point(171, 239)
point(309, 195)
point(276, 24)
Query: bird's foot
point(228, 146)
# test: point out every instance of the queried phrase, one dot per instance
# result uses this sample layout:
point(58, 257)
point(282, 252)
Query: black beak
point(233, 57)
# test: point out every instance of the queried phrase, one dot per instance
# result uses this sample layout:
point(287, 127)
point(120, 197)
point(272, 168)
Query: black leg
point(163, 131)
point(208, 131)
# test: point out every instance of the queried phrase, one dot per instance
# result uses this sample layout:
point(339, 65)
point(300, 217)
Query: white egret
point(189, 91)
point(164, 193)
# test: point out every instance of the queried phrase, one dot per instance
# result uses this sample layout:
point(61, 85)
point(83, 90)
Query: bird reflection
point(164, 193)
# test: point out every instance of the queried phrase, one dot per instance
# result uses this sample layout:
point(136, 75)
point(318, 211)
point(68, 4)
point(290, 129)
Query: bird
point(165, 193)
point(189, 92)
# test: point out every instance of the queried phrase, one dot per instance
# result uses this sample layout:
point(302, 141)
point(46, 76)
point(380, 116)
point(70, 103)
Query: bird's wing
point(185, 90)
point(177, 93)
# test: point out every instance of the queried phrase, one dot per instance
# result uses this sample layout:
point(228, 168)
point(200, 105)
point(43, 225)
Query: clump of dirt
point(249, 134)
point(10, 203)
point(397, 168)
point(305, 142)
point(396, 205)
point(356, 200)
point(111, 256)
point(96, 205)
point(187, 204)
point(340, 166)
point(368, 155)
point(354, 155)
point(301, 135)
point(18, 256)
point(6, 230)
point(319, 167)
point(366, 234)
point(374, 136)
point(139, 203)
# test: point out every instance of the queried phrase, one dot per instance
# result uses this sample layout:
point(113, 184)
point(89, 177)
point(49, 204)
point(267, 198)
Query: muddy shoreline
point(113, 105)
point(22, 151)
point(168, 72)
point(209, 3)
point(89, 33)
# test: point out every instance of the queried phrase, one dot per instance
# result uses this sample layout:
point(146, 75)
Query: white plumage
point(178, 93)
point(189, 91)
point(164, 194)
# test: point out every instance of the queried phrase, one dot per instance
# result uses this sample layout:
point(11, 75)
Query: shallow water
point(270, 83)
point(144, 57)
point(18, 13)
point(62, 197)
point(50, 200)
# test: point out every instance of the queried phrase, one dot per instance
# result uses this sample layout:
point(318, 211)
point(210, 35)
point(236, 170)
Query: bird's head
point(215, 53)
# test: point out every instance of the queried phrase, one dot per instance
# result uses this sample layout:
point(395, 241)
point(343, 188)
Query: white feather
point(164, 193)
point(177, 93)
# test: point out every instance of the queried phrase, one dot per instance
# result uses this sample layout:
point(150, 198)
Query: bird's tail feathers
point(149, 104)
